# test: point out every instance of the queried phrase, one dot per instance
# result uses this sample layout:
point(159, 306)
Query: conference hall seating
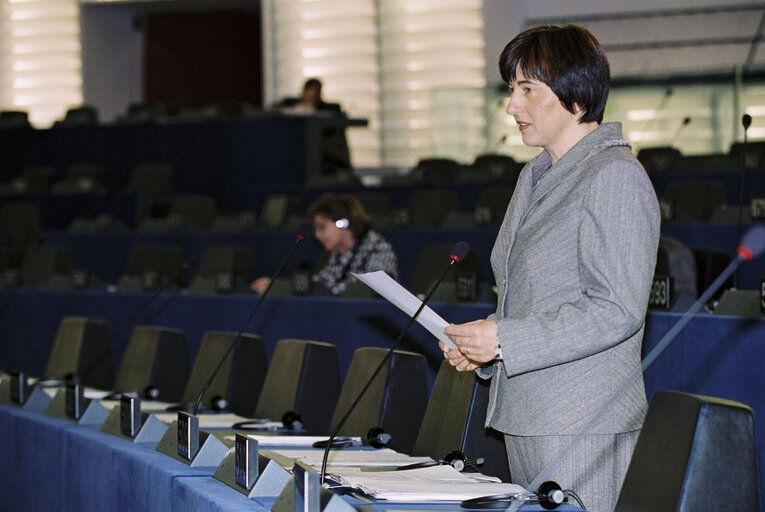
point(246, 232)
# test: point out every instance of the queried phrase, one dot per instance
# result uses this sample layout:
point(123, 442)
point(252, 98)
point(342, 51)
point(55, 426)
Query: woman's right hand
point(260, 284)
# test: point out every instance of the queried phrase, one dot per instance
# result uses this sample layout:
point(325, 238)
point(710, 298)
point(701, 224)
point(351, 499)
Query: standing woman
point(344, 229)
point(573, 262)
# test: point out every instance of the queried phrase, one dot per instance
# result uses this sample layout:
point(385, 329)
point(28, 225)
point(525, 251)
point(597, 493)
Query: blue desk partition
point(52, 464)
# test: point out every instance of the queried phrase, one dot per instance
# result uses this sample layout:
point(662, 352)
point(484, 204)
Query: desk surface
point(58, 465)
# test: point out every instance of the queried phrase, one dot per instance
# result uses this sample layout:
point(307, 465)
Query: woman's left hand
point(477, 341)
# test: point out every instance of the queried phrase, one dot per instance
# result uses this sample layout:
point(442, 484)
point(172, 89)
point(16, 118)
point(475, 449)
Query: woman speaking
point(573, 262)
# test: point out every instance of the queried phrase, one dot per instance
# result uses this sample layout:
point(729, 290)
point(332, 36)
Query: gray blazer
point(573, 262)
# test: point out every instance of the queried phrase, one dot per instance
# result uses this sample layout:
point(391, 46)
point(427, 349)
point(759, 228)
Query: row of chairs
point(687, 444)
point(89, 178)
point(230, 269)
point(660, 159)
point(302, 378)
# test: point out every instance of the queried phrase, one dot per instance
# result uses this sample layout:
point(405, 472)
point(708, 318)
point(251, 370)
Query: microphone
point(746, 122)
point(299, 238)
point(459, 252)
point(680, 129)
point(454, 458)
point(90, 365)
point(752, 246)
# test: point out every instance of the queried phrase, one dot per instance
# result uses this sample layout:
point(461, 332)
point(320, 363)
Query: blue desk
point(52, 464)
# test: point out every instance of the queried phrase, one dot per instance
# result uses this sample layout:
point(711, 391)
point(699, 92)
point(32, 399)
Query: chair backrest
point(694, 200)
point(10, 119)
point(395, 401)
point(241, 376)
point(693, 453)
point(432, 261)
point(437, 170)
point(155, 357)
point(659, 158)
point(709, 265)
point(82, 344)
point(84, 115)
point(161, 262)
point(303, 377)
point(19, 224)
point(455, 420)
point(676, 260)
point(152, 177)
point(429, 207)
point(501, 167)
point(195, 211)
point(493, 201)
point(224, 268)
point(43, 262)
point(277, 209)
point(744, 303)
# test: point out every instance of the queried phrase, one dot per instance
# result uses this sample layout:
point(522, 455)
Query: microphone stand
point(746, 121)
point(393, 347)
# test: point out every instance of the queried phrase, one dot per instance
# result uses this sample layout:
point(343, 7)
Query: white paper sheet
point(223, 420)
point(277, 440)
point(403, 299)
point(358, 458)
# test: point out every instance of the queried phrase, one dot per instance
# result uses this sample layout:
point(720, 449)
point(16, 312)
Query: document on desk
point(430, 484)
point(345, 458)
point(403, 299)
point(213, 420)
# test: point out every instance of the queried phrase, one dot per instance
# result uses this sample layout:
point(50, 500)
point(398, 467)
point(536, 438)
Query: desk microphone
point(89, 365)
point(299, 238)
point(752, 246)
point(459, 252)
point(746, 122)
point(680, 129)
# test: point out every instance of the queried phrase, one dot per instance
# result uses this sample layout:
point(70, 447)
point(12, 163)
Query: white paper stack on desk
point(437, 483)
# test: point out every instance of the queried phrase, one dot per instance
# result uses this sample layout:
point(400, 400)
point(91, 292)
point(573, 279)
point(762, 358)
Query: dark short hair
point(311, 83)
point(569, 59)
point(342, 206)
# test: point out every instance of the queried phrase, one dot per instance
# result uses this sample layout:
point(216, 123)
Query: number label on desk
point(19, 389)
point(73, 400)
point(245, 461)
point(130, 415)
point(661, 293)
point(188, 436)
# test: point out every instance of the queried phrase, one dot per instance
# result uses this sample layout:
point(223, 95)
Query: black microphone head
point(686, 120)
point(459, 251)
point(550, 495)
point(752, 243)
point(378, 437)
point(746, 121)
point(151, 392)
point(291, 419)
point(456, 459)
point(219, 403)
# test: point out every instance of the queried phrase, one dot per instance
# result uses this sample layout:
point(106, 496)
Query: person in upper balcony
point(573, 262)
point(310, 101)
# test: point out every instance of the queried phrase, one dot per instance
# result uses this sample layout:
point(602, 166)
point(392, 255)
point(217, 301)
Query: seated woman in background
point(344, 229)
